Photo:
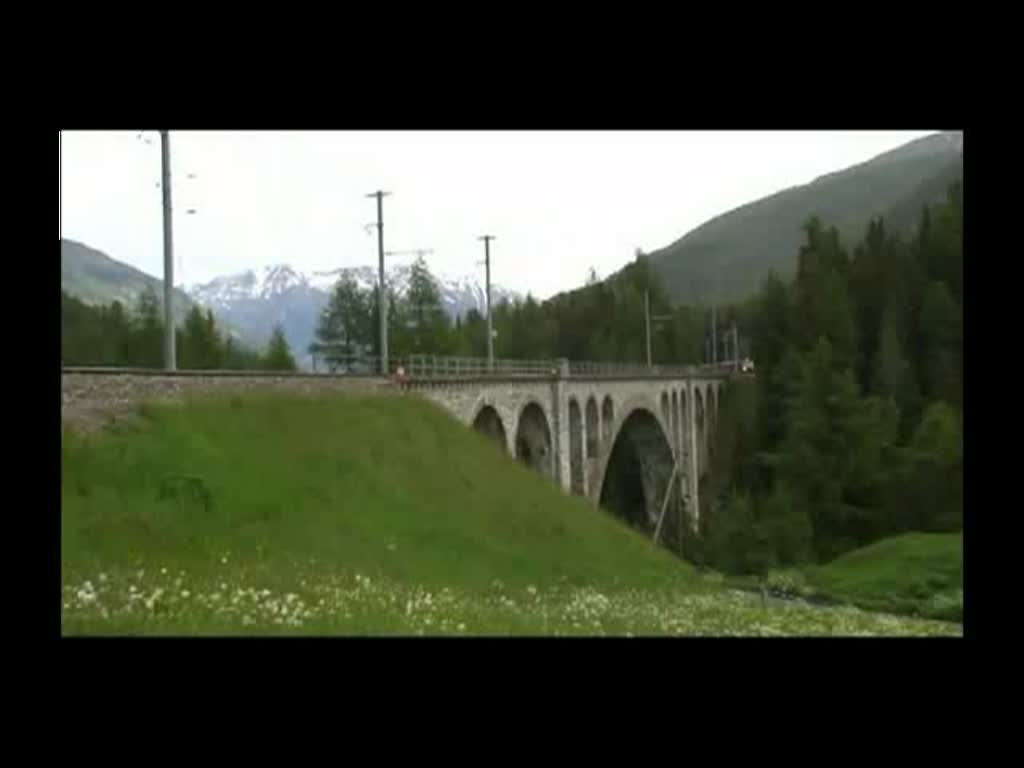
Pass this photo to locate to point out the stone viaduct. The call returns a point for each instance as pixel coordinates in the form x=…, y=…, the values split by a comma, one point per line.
x=612, y=437
x=623, y=437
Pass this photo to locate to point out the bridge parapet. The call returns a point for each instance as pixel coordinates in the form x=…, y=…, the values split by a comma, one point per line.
x=448, y=367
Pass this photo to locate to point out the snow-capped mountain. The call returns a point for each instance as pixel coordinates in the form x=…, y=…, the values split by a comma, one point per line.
x=257, y=300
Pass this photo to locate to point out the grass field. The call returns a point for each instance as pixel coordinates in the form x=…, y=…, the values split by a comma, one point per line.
x=917, y=573
x=365, y=515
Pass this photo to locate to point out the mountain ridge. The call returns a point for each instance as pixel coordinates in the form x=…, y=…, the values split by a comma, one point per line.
x=248, y=304
x=727, y=256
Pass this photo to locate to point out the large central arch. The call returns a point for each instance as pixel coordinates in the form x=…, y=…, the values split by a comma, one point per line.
x=533, y=440
x=637, y=472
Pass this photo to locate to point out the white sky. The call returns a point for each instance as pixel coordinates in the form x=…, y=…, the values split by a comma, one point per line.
x=559, y=202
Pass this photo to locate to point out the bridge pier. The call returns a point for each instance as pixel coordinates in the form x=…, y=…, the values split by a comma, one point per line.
x=560, y=431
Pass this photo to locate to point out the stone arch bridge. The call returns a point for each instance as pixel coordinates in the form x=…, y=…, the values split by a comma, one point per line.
x=634, y=439
x=628, y=437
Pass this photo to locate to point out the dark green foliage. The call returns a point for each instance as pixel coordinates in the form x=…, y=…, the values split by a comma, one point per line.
x=200, y=344
x=859, y=369
x=346, y=327
x=940, y=336
x=737, y=541
x=928, y=495
x=419, y=324
x=279, y=356
x=108, y=336
x=603, y=321
x=790, y=527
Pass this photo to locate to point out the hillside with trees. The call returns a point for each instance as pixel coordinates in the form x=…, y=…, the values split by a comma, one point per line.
x=854, y=431
x=727, y=257
x=110, y=335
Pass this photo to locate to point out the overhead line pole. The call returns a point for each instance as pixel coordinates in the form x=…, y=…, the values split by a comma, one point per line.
x=170, y=361
x=490, y=331
x=382, y=296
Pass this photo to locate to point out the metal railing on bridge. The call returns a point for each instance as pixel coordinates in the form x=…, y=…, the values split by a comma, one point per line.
x=422, y=366
x=433, y=366
x=426, y=367
x=641, y=370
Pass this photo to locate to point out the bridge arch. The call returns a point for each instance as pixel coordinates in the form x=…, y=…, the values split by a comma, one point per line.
x=676, y=444
x=593, y=438
x=637, y=467
x=607, y=417
x=488, y=422
x=698, y=416
x=576, y=447
x=712, y=421
x=533, y=439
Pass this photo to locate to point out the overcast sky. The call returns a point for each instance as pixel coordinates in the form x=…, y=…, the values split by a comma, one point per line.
x=557, y=202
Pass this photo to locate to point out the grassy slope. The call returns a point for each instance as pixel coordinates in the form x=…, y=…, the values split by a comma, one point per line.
x=914, y=573
x=376, y=514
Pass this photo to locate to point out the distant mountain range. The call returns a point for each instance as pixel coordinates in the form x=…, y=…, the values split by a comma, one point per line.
x=249, y=304
x=95, y=278
x=727, y=257
x=256, y=300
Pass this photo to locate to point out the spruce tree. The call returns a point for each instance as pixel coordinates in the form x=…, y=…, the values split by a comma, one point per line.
x=279, y=356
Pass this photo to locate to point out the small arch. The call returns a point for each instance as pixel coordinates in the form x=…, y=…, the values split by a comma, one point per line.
x=592, y=436
x=699, y=409
x=684, y=423
x=533, y=440
x=575, y=447
x=607, y=419
x=712, y=420
x=488, y=423
x=675, y=419
x=698, y=415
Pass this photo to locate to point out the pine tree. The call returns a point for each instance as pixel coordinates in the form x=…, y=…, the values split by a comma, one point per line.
x=832, y=446
x=345, y=327
x=770, y=327
x=279, y=355
x=201, y=345
x=940, y=334
x=893, y=376
x=423, y=324
x=145, y=346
